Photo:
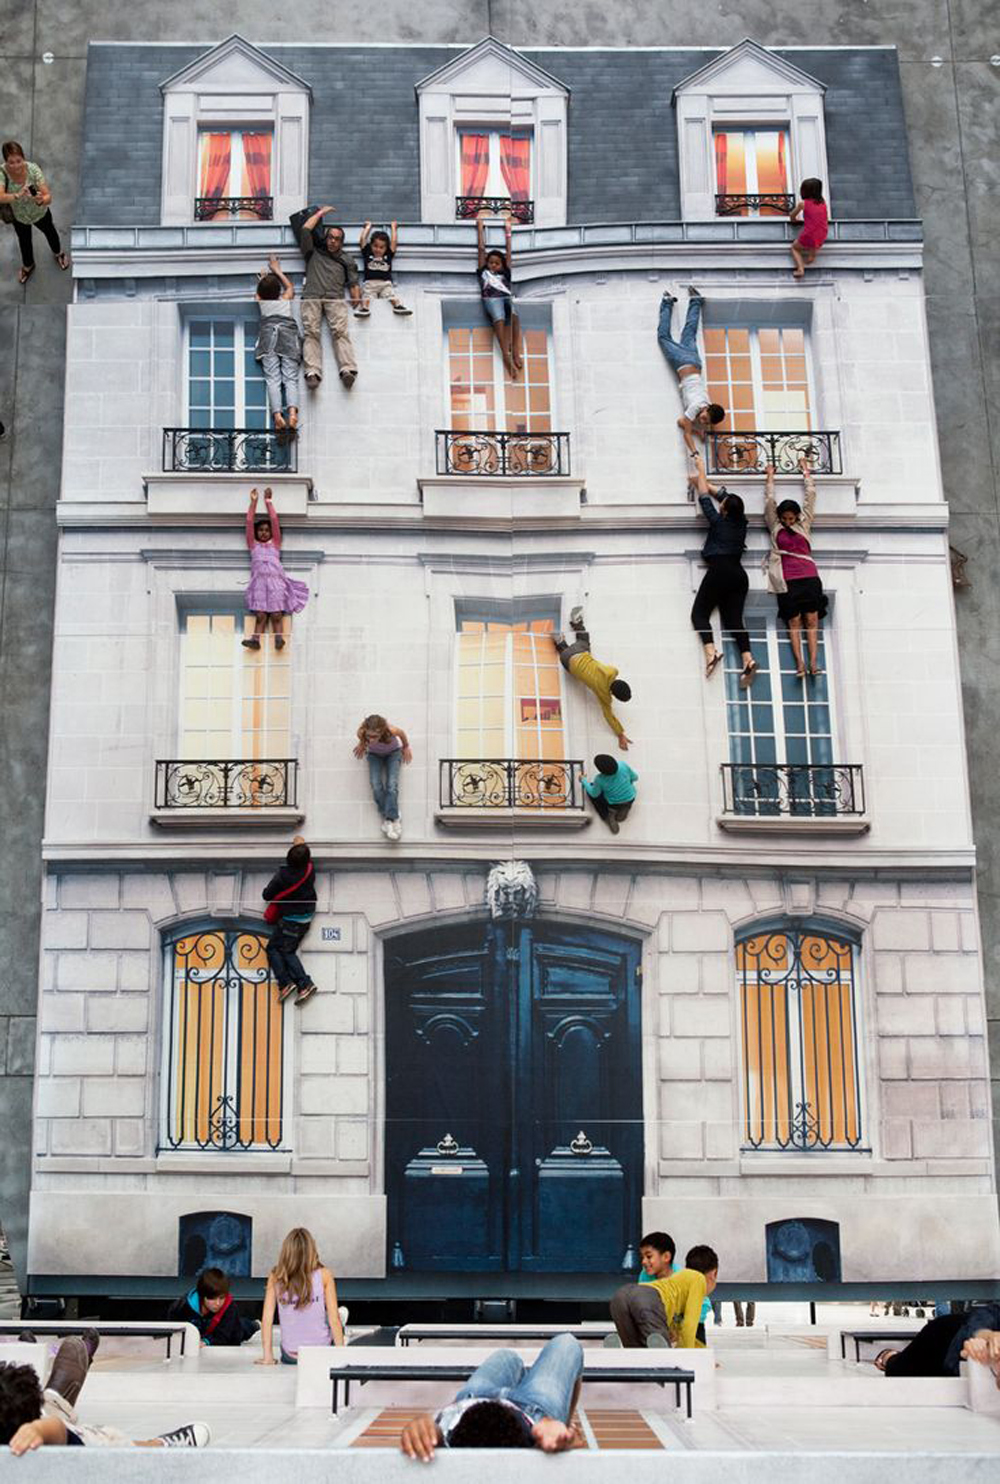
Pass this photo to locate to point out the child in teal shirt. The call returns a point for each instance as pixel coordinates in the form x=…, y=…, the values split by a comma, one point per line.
x=612, y=791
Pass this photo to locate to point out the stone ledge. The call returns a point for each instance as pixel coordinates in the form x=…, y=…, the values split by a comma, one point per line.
x=223, y=493
x=505, y=819
x=213, y=819
x=192, y=1162
x=488, y=500
x=853, y=824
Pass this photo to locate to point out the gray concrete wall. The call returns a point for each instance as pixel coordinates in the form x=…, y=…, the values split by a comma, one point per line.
x=950, y=96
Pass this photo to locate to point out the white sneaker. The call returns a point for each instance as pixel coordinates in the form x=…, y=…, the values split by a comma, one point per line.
x=194, y=1435
x=386, y=828
x=396, y=828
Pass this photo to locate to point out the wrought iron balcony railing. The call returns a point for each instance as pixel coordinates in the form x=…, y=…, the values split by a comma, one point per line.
x=749, y=452
x=511, y=783
x=207, y=208
x=526, y=455
x=795, y=790
x=257, y=783
x=227, y=451
x=765, y=203
x=521, y=211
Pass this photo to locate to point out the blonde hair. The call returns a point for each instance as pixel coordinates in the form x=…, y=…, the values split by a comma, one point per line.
x=297, y=1261
x=375, y=723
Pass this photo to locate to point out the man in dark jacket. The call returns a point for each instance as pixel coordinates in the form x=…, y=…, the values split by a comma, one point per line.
x=292, y=890
x=211, y=1308
x=329, y=270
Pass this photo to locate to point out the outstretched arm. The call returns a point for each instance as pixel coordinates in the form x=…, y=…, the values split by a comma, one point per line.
x=553, y=1436
x=251, y=515
x=809, y=498
x=690, y=432
x=32, y=1435
x=332, y=1313
x=393, y=236
x=287, y=287
x=267, y=1325
x=770, y=508
x=407, y=754
x=507, y=242
x=366, y=232
x=273, y=514
x=316, y=218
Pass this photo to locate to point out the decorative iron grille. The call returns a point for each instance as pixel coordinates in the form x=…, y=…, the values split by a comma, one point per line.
x=525, y=455
x=795, y=789
x=227, y=451
x=258, y=783
x=801, y=1076
x=225, y=1044
x=206, y=208
x=749, y=452
x=521, y=211
x=768, y=203
x=511, y=783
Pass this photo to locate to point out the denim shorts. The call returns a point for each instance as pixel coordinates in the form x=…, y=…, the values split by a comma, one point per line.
x=499, y=307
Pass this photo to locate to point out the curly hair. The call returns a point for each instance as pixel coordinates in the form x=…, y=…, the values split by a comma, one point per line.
x=490, y=1424
x=20, y=1398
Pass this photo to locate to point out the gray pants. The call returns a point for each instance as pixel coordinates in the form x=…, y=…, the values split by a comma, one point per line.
x=580, y=645
x=638, y=1312
x=281, y=373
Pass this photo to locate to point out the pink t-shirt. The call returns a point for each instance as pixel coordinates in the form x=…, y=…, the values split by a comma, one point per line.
x=307, y=1325
x=795, y=558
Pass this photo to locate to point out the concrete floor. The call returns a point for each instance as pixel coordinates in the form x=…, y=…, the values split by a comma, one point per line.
x=950, y=93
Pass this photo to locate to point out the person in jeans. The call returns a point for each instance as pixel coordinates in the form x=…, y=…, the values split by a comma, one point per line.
x=279, y=347
x=386, y=747
x=293, y=892
x=724, y=585
x=329, y=271
x=504, y=1405
x=612, y=791
x=26, y=192
x=603, y=680
x=700, y=413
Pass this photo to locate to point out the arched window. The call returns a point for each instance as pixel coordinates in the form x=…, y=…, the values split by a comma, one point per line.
x=225, y=1042
x=798, y=1016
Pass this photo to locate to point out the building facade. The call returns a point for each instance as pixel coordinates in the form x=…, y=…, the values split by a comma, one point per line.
x=756, y=1016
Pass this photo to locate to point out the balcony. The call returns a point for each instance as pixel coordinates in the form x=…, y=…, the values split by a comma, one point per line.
x=751, y=450
x=489, y=791
x=810, y=797
x=743, y=203
x=227, y=451
x=522, y=212
x=261, y=792
x=506, y=455
x=209, y=208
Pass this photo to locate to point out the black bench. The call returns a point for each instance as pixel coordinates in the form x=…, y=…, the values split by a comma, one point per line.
x=164, y=1331
x=513, y=1332
x=860, y=1336
x=363, y=1371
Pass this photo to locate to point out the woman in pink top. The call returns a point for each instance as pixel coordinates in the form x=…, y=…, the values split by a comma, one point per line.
x=304, y=1294
x=386, y=748
x=812, y=212
x=792, y=574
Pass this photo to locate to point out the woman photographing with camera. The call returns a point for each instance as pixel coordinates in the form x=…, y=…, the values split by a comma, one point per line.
x=24, y=202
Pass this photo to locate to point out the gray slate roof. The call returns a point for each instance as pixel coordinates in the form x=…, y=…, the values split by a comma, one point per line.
x=364, y=153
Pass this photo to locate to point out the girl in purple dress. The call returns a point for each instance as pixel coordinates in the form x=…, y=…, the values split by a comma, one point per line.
x=271, y=593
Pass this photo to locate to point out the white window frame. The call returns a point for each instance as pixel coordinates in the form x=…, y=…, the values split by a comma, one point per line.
x=759, y=126
x=510, y=725
x=495, y=183
x=266, y=655
x=241, y=320
x=265, y=126
x=754, y=618
x=757, y=376
x=469, y=316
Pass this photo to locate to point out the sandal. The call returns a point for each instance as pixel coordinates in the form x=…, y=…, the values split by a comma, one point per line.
x=23, y=274
x=749, y=674
x=882, y=1359
x=63, y=260
x=713, y=664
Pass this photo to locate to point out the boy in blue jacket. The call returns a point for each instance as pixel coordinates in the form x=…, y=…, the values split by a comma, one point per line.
x=211, y=1308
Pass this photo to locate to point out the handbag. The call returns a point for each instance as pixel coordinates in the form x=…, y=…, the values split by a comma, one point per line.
x=6, y=209
x=271, y=911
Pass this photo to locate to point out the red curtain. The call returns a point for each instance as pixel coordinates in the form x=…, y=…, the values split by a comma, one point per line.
x=215, y=158
x=257, y=164
x=720, y=164
x=515, y=163
x=475, y=163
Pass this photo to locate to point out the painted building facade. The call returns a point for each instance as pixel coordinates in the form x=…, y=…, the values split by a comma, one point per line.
x=755, y=1016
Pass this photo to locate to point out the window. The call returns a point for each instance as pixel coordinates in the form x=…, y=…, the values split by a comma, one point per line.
x=493, y=163
x=234, y=702
x=224, y=1074
x=225, y=385
x=483, y=398
x=798, y=1015
x=749, y=163
x=234, y=165
x=760, y=375
x=509, y=690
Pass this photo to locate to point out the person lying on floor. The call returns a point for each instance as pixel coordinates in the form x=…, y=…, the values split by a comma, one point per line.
x=667, y=1311
x=944, y=1342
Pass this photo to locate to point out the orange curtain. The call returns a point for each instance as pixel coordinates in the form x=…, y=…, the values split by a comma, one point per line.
x=720, y=164
x=782, y=171
x=515, y=163
x=475, y=163
x=257, y=164
x=215, y=165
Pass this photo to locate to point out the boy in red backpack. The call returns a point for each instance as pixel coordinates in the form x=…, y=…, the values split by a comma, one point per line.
x=291, y=895
x=211, y=1308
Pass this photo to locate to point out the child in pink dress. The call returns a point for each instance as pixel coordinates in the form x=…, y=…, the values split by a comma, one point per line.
x=811, y=211
x=270, y=592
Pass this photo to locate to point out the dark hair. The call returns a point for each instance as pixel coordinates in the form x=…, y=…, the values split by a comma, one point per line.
x=732, y=506
x=702, y=1260
x=811, y=189
x=792, y=505
x=334, y=228
x=299, y=855
x=11, y=147
x=269, y=287
x=381, y=236
x=605, y=764
x=213, y=1283
x=621, y=690
x=261, y=520
x=662, y=1241
x=490, y=1424
x=716, y=414
x=494, y=252
x=20, y=1393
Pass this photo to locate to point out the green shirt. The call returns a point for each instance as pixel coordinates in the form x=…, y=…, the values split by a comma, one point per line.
x=616, y=787
x=28, y=210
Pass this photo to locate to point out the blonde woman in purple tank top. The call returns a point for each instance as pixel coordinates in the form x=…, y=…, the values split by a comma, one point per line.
x=304, y=1294
x=385, y=747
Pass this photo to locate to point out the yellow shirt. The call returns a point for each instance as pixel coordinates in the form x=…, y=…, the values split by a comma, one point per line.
x=598, y=678
x=683, y=1294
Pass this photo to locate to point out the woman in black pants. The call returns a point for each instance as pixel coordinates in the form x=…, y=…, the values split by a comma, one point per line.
x=943, y=1342
x=724, y=585
x=26, y=192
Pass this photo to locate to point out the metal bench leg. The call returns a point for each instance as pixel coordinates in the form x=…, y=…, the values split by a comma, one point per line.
x=347, y=1391
x=336, y=1390
x=689, y=1401
x=169, y=1339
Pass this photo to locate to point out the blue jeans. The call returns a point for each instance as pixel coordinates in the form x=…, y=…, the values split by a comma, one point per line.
x=384, y=775
x=283, y=953
x=546, y=1390
x=683, y=352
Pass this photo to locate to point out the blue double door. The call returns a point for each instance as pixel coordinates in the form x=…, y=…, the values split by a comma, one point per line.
x=513, y=1099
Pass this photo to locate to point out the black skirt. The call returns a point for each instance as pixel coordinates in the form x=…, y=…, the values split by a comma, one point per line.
x=804, y=595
